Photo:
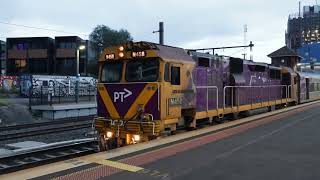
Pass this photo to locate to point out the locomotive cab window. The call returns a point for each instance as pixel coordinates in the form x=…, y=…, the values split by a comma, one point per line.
x=111, y=72
x=167, y=72
x=146, y=70
x=175, y=75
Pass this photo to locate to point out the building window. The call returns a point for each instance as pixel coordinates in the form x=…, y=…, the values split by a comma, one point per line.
x=20, y=63
x=21, y=46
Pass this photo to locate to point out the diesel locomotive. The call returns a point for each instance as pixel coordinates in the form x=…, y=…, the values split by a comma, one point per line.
x=146, y=90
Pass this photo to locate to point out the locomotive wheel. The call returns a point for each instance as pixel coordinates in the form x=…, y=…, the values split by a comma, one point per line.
x=219, y=120
x=235, y=116
x=111, y=144
x=151, y=138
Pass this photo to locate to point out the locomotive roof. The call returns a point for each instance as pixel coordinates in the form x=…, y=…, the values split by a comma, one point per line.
x=202, y=55
x=255, y=63
x=169, y=53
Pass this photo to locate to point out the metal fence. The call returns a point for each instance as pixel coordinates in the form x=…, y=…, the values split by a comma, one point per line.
x=57, y=94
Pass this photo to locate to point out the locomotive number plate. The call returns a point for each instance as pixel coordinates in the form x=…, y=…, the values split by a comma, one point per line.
x=177, y=101
x=117, y=123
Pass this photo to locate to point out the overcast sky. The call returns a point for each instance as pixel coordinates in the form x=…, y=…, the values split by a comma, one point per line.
x=188, y=23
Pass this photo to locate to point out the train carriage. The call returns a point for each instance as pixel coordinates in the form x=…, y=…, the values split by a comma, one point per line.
x=309, y=86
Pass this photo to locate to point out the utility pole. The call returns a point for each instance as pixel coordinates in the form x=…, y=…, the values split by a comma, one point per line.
x=161, y=33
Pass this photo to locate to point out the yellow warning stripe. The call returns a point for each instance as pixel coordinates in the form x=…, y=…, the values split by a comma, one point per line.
x=114, y=164
x=119, y=165
x=142, y=99
x=108, y=102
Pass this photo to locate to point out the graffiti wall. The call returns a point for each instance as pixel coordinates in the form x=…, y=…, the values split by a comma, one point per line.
x=9, y=84
x=57, y=85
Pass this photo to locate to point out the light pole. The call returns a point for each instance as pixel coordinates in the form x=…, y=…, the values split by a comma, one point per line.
x=81, y=47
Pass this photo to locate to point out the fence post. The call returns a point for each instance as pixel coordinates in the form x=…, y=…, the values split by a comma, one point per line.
x=238, y=99
x=59, y=93
x=232, y=97
x=41, y=95
x=50, y=96
x=251, y=95
x=30, y=100
x=89, y=92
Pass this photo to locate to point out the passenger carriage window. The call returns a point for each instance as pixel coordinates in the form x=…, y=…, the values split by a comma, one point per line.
x=175, y=75
x=167, y=72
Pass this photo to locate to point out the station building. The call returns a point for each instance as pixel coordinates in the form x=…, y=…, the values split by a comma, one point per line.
x=3, y=57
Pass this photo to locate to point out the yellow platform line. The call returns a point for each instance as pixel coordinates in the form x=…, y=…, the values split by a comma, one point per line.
x=114, y=164
x=119, y=165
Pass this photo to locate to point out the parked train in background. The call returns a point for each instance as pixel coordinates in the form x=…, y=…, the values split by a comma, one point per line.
x=146, y=90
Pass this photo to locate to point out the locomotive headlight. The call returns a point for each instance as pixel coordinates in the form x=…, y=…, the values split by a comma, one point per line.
x=121, y=54
x=109, y=134
x=121, y=48
x=136, y=138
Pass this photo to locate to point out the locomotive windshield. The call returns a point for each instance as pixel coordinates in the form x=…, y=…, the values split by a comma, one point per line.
x=142, y=70
x=111, y=72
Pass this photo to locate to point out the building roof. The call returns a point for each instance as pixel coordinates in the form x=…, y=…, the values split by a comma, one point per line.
x=283, y=52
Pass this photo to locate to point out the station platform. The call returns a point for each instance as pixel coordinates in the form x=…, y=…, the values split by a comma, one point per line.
x=67, y=110
x=277, y=145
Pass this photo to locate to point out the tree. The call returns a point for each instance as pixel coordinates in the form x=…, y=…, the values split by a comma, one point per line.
x=102, y=36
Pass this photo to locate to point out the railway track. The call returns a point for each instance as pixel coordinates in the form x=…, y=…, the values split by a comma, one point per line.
x=28, y=158
x=42, y=128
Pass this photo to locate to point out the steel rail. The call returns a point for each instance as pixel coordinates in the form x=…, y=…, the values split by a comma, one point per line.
x=47, y=123
x=43, y=131
x=44, y=155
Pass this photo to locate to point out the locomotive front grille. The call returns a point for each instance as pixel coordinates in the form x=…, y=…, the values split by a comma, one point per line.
x=122, y=127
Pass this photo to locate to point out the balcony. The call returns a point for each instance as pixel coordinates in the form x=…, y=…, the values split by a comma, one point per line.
x=32, y=54
x=65, y=53
x=38, y=53
x=17, y=54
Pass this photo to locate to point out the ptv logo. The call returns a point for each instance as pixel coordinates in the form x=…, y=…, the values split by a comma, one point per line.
x=121, y=95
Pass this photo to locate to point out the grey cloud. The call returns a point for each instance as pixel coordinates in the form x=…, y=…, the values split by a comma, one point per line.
x=185, y=20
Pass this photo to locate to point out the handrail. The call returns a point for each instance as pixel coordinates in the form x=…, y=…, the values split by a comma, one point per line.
x=207, y=92
x=252, y=87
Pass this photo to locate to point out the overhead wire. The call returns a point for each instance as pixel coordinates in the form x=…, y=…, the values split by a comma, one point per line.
x=41, y=28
